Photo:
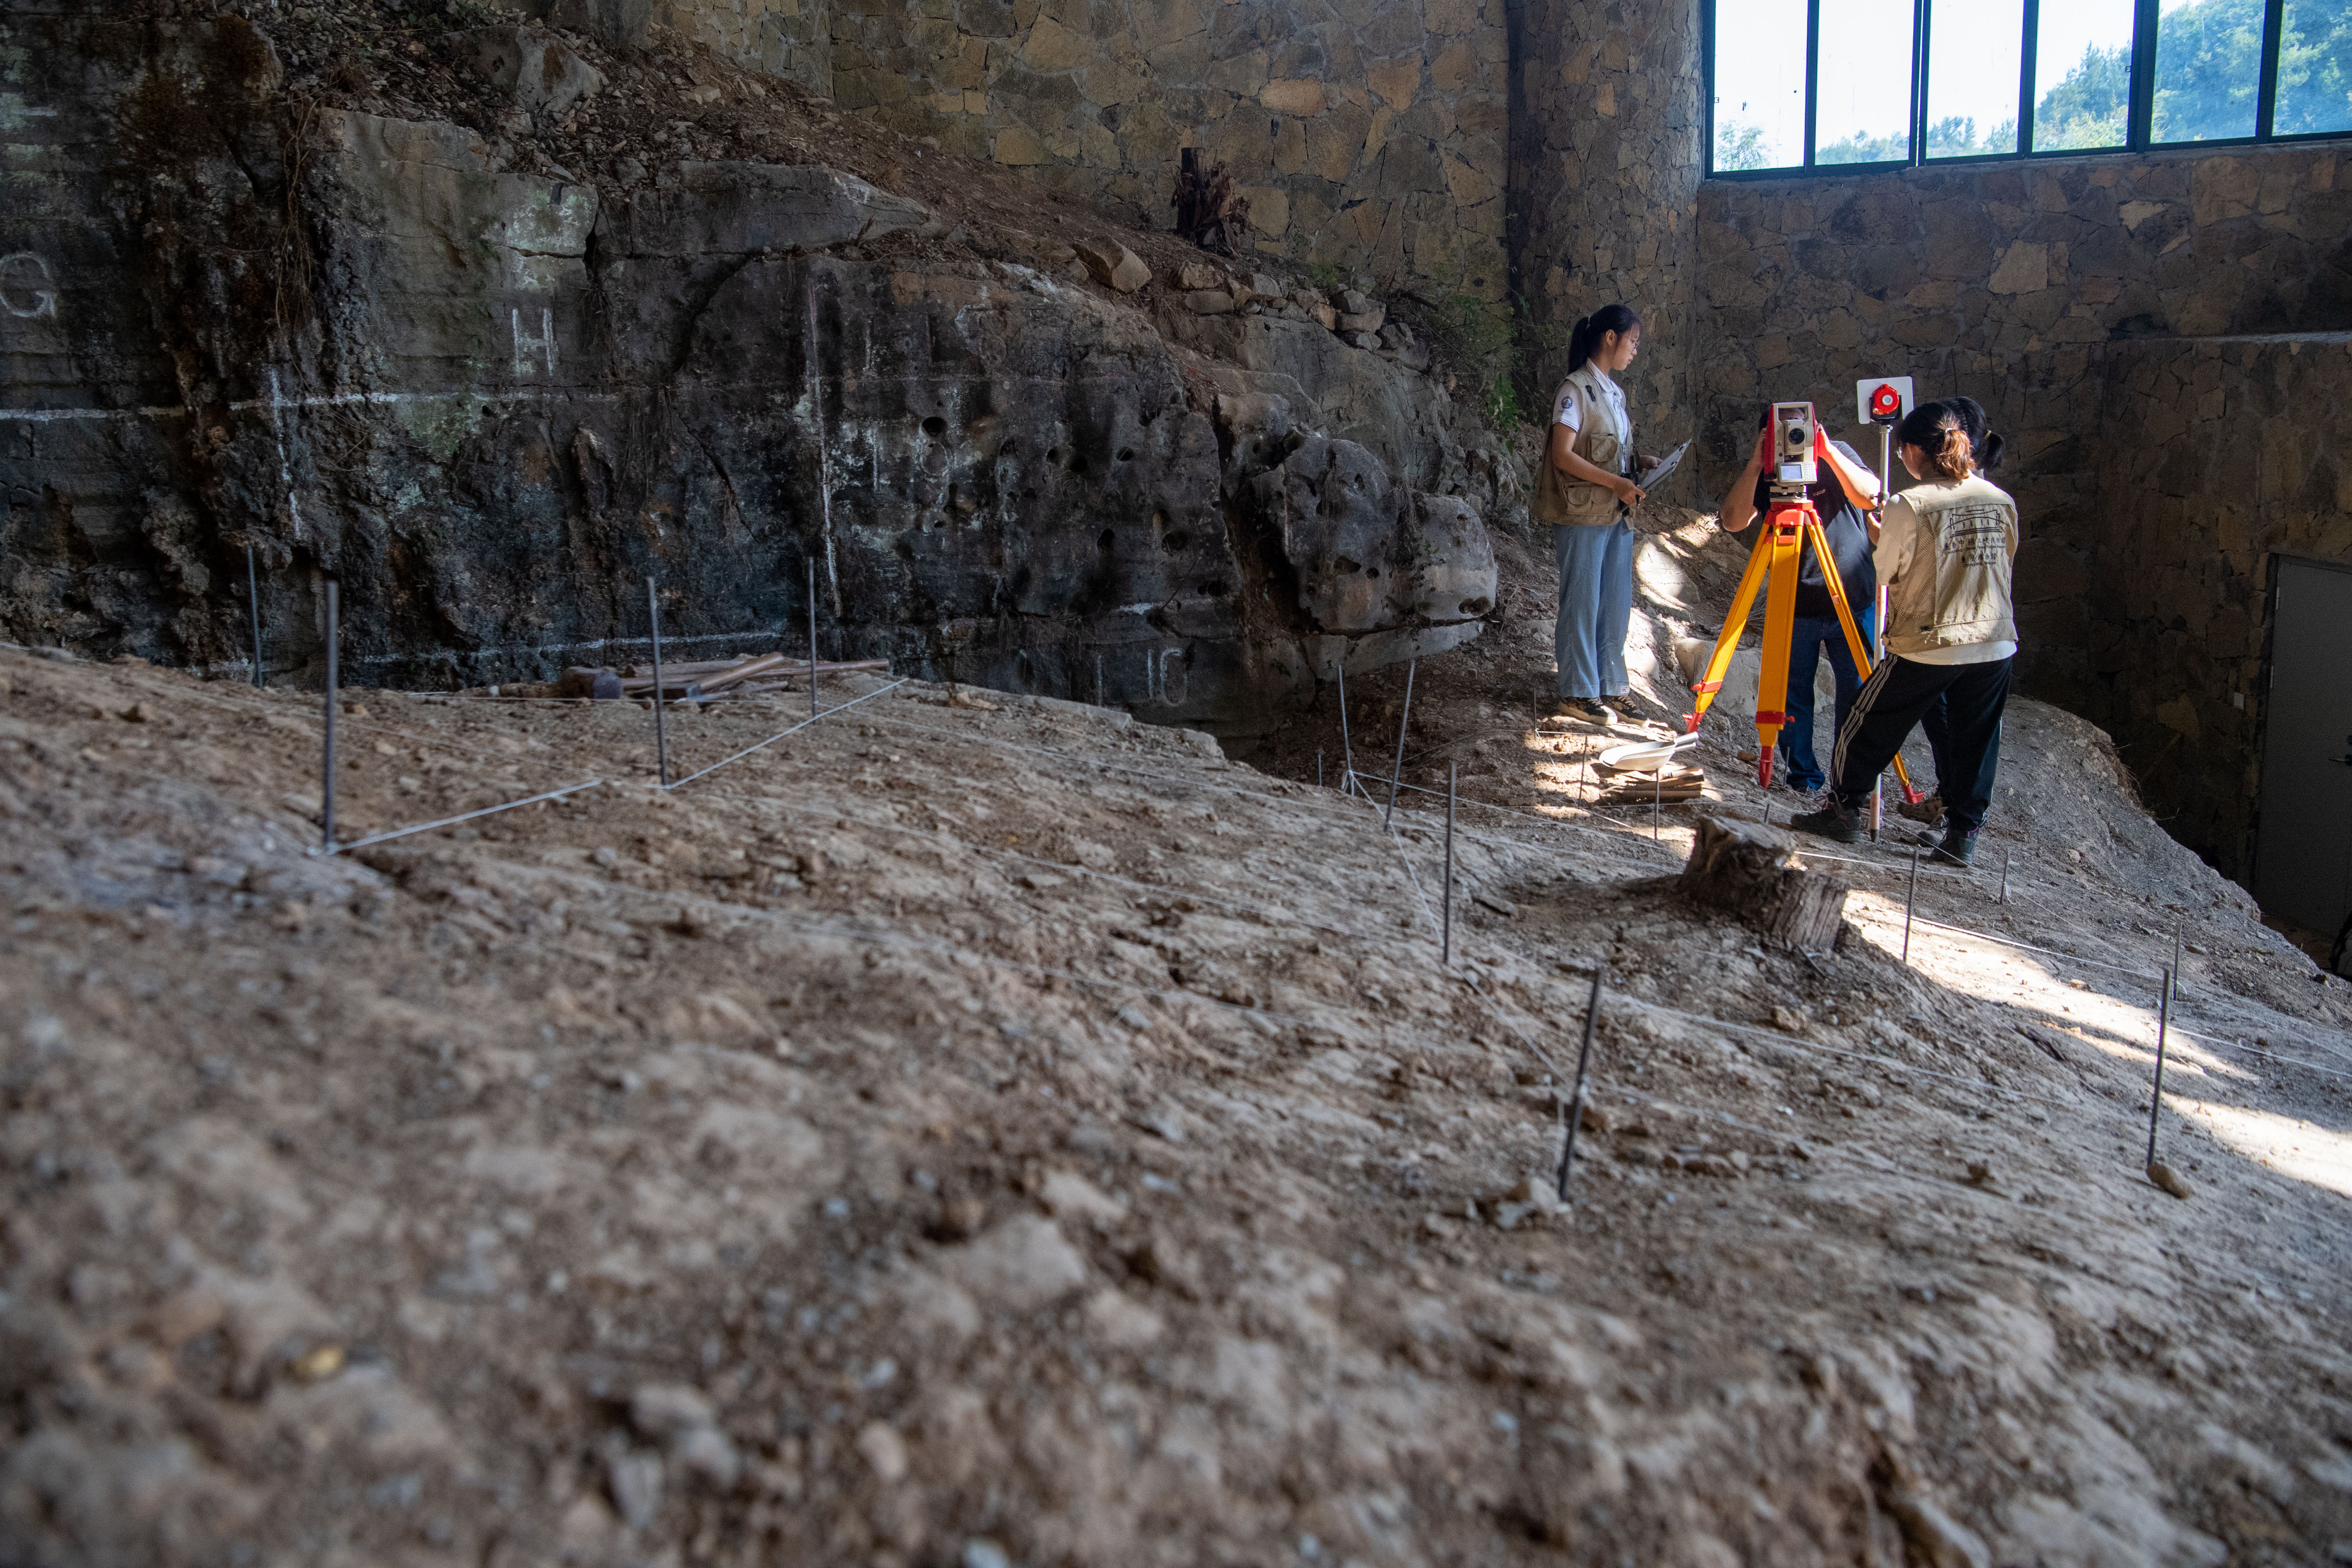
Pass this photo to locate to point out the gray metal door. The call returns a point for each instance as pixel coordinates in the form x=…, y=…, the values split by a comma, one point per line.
x=2302, y=852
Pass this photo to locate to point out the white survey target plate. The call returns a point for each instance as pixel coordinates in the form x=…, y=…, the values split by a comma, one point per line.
x=1881, y=397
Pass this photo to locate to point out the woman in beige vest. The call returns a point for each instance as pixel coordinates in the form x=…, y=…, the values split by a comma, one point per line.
x=1947, y=553
x=1584, y=491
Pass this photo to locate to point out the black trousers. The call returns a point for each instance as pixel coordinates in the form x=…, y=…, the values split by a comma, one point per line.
x=1897, y=695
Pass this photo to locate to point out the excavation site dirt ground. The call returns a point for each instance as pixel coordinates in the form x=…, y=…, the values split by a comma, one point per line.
x=974, y=1130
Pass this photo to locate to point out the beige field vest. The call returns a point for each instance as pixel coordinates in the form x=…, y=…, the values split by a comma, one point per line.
x=1562, y=499
x=1955, y=591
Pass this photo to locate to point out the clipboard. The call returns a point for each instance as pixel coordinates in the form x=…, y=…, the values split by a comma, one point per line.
x=1664, y=470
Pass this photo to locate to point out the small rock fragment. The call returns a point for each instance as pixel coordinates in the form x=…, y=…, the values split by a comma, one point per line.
x=1531, y=1198
x=1790, y=1020
x=635, y=1480
x=1068, y=1196
x=1113, y=264
x=886, y=1451
x=1208, y=302
x=2171, y=1181
x=706, y=1451
x=666, y=1409
x=318, y=1364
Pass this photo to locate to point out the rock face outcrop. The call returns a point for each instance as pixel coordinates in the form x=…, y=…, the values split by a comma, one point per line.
x=492, y=404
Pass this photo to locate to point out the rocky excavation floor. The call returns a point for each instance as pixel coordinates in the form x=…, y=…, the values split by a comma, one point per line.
x=968, y=1134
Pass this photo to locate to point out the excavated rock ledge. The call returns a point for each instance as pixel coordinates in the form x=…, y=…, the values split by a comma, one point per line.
x=492, y=402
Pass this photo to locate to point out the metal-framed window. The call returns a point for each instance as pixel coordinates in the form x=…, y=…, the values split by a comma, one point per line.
x=1857, y=86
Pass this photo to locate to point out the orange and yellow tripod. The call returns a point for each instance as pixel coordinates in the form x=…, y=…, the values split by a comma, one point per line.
x=1789, y=525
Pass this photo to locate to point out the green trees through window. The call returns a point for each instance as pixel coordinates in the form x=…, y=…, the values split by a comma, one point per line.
x=2314, y=70
x=2100, y=74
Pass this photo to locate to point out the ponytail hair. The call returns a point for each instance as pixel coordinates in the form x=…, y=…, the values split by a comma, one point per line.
x=1941, y=432
x=1988, y=443
x=1586, y=338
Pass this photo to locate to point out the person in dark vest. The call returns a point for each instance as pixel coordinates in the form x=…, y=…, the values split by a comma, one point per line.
x=1816, y=631
x=1584, y=491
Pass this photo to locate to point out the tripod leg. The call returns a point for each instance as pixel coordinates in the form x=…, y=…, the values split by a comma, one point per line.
x=1780, y=628
x=1735, y=621
x=1854, y=645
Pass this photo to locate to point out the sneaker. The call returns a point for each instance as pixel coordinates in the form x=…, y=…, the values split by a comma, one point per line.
x=1957, y=848
x=1832, y=822
x=1628, y=715
x=1581, y=713
x=1930, y=810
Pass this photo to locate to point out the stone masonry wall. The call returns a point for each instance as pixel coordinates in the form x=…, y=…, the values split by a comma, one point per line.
x=2162, y=340
x=1606, y=169
x=789, y=38
x=1369, y=136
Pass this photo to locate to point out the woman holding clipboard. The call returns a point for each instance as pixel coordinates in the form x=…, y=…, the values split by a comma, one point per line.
x=1585, y=489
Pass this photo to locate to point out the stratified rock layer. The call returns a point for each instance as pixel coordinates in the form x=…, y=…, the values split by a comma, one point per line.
x=492, y=405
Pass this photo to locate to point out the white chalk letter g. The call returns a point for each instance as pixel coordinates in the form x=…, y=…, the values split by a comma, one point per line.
x=27, y=276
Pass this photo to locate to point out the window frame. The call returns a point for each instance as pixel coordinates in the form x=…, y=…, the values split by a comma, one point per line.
x=2139, y=110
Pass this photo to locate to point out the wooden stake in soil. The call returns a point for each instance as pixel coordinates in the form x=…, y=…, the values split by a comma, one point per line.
x=1657, y=789
x=661, y=698
x=2156, y=1096
x=1908, y=898
x=1396, y=775
x=1575, y=1101
x=327, y=792
x=1445, y=939
x=2004, y=878
x=253, y=599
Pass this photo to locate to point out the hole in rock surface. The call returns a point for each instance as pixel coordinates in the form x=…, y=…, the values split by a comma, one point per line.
x=935, y=426
x=1177, y=541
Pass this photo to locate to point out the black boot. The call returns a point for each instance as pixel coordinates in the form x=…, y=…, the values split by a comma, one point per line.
x=1958, y=848
x=1833, y=821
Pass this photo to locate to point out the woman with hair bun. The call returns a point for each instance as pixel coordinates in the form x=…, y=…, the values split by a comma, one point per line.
x=1947, y=552
x=1584, y=491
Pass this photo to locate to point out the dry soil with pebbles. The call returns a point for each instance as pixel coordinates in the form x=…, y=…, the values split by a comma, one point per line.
x=979, y=1130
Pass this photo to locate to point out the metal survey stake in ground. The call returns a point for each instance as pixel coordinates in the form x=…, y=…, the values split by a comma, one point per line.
x=811, y=566
x=2156, y=1095
x=2004, y=878
x=327, y=792
x=1347, y=750
x=1576, y=1100
x=1910, y=897
x=253, y=599
x=1445, y=936
x=1658, y=800
x=661, y=725
x=1396, y=773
